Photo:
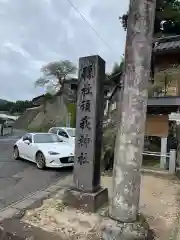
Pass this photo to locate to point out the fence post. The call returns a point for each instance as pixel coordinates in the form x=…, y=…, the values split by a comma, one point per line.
x=172, y=162
x=1, y=129
x=163, y=153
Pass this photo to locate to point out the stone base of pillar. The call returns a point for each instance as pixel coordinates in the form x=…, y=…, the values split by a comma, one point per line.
x=88, y=202
x=114, y=230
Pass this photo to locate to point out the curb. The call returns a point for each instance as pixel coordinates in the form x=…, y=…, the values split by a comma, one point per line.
x=34, y=200
x=157, y=173
x=151, y=172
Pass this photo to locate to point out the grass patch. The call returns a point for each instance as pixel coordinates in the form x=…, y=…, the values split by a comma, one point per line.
x=151, y=162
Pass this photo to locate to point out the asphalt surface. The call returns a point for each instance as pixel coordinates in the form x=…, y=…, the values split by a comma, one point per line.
x=20, y=178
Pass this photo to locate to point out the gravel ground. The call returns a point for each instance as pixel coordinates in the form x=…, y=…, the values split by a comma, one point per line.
x=159, y=202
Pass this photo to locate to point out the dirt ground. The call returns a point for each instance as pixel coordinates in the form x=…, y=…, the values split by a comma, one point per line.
x=159, y=202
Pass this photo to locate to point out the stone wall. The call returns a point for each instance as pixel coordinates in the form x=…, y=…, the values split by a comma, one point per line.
x=53, y=112
x=25, y=119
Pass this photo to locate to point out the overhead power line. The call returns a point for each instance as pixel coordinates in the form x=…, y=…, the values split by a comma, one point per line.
x=95, y=31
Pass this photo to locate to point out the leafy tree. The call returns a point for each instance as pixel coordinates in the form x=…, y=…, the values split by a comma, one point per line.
x=15, y=107
x=118, y=68
x=54, y=74
x=20, y=106
x=167, y=18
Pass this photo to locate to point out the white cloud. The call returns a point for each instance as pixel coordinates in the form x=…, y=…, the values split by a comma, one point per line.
x=36, y=32
x=15, y=48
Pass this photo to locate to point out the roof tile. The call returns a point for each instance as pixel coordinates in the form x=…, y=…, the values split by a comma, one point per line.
x=167, y=43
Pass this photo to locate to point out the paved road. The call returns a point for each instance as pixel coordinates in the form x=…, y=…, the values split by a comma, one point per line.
x=20, y=178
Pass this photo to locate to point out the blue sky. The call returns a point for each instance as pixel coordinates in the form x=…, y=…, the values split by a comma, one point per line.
x=35, y=32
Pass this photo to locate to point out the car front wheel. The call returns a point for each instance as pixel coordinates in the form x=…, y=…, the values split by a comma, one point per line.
x=40, y=160
x=16, y=153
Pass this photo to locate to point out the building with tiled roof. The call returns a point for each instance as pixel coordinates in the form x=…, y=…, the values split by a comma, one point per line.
x=164, y=45
x=166, y=69
x=166, y=64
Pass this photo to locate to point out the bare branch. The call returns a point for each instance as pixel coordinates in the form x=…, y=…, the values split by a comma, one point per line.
x=55, y=73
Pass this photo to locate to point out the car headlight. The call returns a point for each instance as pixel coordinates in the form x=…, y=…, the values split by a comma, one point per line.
x=53, y=153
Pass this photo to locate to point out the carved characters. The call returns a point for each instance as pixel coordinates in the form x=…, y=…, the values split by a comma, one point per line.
x=85, y=108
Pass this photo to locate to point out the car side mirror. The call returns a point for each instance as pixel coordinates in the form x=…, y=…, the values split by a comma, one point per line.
x=61, y=140
x=27, y=142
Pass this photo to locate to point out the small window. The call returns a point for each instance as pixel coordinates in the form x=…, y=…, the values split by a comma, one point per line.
x=27, y=137
x=30, y=138
x=62, y=133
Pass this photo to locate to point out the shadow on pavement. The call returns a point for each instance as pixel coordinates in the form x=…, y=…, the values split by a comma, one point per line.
x=14, y=229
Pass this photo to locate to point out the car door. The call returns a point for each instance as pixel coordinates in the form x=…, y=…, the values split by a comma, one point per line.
x=23, y=146
x=30, y=148
x=26, y=149
x=63, y=135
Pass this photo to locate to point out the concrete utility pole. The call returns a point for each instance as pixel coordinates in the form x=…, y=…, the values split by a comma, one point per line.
x=124, y=205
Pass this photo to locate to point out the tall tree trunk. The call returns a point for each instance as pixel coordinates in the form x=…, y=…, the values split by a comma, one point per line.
x=130, y=137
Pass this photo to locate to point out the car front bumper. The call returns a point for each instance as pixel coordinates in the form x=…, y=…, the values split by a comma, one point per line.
x=59, y=162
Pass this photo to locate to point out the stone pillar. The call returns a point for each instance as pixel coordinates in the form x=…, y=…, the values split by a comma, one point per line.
x=163, y=153
x=172, y=162
x=130, y=137
x=87, y=192
x=125, y=222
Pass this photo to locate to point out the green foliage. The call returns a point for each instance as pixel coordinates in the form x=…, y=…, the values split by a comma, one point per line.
x=167, y=12
x=2, y=101
x=48, y=96
x=54, y=74
x=72, y=109
x=118, y=68
x=15, y=107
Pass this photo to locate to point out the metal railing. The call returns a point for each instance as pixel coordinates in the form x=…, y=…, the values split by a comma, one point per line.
x=156, y=154
x=169, y=158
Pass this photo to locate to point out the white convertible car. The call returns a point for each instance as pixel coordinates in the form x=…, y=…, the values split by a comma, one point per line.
x=44, y=149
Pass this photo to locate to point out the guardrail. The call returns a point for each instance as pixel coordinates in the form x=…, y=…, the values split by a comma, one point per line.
x=170, y=157
x=4, y=131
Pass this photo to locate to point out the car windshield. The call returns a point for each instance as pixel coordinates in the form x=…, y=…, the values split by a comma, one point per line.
x=71, y=132
x=46, y=138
